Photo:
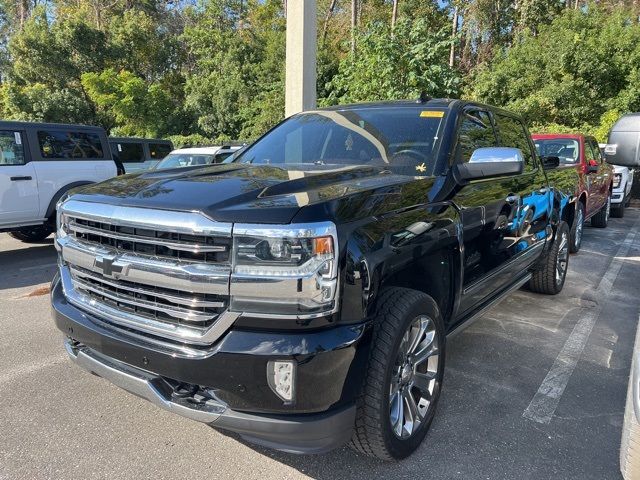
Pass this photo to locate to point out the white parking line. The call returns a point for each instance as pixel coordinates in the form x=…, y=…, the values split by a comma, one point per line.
x=546, y=400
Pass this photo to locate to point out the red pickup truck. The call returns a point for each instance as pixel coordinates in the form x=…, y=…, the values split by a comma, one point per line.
x=593, y=180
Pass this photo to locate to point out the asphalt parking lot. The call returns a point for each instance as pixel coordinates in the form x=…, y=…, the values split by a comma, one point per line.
x=534, y=389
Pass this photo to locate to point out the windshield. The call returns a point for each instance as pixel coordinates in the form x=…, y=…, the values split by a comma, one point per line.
x=403, y=139
x=567, y=149
x=177, y=160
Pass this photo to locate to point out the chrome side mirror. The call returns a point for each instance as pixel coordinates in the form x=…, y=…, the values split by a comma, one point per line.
x=490, y=162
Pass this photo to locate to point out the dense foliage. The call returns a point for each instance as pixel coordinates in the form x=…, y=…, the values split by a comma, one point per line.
x=204, y=70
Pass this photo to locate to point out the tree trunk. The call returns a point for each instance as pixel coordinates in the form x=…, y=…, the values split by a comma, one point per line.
x=354, y=24
x=394, y=14
x=325, y=27
x=454, y=33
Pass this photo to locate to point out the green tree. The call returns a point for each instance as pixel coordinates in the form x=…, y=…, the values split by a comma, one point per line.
x=400, y=64
x=137, y=108
x=583, y=64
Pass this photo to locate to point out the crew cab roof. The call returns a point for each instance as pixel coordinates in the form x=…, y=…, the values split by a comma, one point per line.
x=446, y=103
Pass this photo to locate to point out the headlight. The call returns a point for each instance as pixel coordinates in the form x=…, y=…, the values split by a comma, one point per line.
x=62, y=223
x=284, y=270
x=617, y=178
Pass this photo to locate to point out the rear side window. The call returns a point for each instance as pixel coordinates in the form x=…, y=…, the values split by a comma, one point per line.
x=512, y=133
x=11, y=148
x=475, y=132
x=128, y=152
x=69, y=145
x=158, y=151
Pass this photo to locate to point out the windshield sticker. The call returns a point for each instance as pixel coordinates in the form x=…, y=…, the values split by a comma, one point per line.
x=18, y=138
x=119, y=148
x=348, y=143
x=421, y=168
x=432, y=114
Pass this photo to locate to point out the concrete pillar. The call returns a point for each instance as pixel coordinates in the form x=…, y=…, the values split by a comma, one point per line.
x=300, y=81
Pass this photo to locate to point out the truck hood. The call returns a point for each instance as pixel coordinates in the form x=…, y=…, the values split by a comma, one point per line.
x=240, y=192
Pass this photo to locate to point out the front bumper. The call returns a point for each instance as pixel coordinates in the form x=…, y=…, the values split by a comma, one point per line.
x=329, y=372
x=617, y=196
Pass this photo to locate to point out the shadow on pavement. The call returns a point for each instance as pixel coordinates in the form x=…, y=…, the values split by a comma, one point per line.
x=24, y=267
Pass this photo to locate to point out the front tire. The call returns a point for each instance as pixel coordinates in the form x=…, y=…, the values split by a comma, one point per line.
x=601, y=219
x=403, y=378
x=37, y=233
x=549, y=278
x=577, y=229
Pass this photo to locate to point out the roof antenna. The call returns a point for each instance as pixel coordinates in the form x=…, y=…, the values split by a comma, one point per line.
x=424, y=97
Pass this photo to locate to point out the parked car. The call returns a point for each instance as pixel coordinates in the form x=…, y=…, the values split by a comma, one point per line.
x=622, y=148
x=622, y=184
x=197, y=156
x=593, y=183
x=39, y=162
x=303, y=294
x=138, y=154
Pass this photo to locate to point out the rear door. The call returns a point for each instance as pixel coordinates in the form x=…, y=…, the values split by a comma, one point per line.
x=19, y=200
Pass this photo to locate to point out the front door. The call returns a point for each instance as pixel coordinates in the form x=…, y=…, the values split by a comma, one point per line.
x=504, y=219
x=19, y=203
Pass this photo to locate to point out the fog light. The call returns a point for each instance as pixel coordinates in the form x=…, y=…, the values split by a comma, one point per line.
x=281, y=377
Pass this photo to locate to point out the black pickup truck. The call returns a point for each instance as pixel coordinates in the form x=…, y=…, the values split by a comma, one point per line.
x=302, y=295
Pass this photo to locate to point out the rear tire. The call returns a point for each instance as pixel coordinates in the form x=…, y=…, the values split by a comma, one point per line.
x=404, y=375
x=37, y=233
x=601, y=219
x=549, y=278
x=577, y=229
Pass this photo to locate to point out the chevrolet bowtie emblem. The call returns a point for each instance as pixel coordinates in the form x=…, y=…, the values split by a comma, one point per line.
x=110, y=266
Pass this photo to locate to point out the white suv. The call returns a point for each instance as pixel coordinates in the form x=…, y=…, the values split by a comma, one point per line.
x=39, y=163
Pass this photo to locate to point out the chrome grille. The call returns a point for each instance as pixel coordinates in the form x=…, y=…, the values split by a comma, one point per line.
x=162, y=274
x=156, y=243
x=158, y=303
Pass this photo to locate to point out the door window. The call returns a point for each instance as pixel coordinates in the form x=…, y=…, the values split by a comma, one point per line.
x=11, y=148
x=158, y=151
x=69, y=145
x=512, y=133
x=128, y=152
x=475, y=132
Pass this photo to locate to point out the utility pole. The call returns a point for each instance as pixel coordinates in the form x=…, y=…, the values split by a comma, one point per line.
x=300, y=83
